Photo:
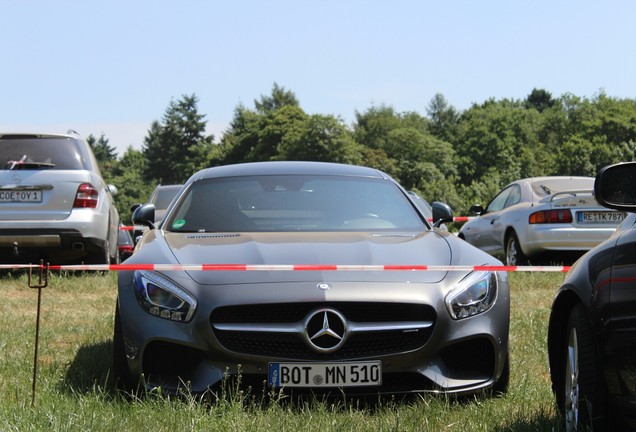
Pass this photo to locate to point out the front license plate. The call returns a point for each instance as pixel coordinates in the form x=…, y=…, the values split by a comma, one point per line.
x=353, y=374
x=600, y=217
x=20, y=196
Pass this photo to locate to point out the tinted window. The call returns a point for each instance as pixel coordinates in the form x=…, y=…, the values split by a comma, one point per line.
x=294, y=203
x=49, y=153
x=164, y=196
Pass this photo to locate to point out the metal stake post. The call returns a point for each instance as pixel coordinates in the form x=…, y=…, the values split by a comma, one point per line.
x=43, y=281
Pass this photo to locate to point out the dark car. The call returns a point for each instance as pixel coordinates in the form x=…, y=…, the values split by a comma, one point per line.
x=125, y=244
x=592, y=330
x=161, y=197
x=323, y=297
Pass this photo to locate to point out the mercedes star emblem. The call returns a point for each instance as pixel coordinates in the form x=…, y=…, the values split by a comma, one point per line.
x=325, y=330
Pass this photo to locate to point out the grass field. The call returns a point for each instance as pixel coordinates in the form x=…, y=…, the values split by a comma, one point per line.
x=74, y=391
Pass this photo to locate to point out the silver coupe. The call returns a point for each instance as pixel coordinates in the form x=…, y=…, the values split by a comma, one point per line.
x=308, y=277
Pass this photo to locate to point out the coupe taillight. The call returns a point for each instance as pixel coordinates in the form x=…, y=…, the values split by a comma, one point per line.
x=550, y=216
x=86, y=197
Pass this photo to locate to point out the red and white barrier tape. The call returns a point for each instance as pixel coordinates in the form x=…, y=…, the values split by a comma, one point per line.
x=292, y=267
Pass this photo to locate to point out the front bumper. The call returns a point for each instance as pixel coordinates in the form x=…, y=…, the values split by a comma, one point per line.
x=461, y=357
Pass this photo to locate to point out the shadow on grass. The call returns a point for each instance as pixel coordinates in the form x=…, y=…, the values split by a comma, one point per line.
x=539, y=422
x=89, y=372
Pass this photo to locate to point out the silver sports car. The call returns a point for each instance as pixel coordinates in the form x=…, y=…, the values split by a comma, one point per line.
x=310, y=277
x=541, y=217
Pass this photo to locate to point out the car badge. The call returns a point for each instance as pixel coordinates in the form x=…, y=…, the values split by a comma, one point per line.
x=16, y=179
x=323, y=286
x=326, y=330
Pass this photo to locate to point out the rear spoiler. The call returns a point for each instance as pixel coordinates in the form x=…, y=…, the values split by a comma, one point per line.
x=572, y=193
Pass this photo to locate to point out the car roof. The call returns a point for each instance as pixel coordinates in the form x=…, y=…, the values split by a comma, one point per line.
x=22, y=135
x=555, y=178
x=288, y=168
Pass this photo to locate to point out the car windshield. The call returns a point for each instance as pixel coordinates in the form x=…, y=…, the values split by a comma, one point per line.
x=293, y=203
x=40, y=153
x=550, y=186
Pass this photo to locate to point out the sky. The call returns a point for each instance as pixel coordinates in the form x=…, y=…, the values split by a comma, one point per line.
x=113, y=67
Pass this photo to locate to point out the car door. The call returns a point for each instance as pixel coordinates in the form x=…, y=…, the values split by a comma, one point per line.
x=481, y=229
x=498, y=215
x=623, y=289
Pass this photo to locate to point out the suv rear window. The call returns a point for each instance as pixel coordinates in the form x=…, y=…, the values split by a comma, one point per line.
x=40, y=153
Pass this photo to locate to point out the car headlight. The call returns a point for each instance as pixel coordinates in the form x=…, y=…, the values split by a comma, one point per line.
x=161, y=297
x=473, y=295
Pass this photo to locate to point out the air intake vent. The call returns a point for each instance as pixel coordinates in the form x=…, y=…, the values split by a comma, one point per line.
x=218, y=235
x=395, y=235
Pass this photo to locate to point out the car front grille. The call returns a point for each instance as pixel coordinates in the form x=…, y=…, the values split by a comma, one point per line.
x=391, y=333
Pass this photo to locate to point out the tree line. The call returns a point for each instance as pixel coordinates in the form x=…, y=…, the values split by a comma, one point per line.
x=459, y=157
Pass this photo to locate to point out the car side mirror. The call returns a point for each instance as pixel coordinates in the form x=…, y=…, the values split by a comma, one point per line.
x=476, y=209
x=442, y=213
x=112, y=189
x=144, y=215
x=615, y=186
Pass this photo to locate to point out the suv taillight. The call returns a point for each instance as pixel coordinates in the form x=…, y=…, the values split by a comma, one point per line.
x=551, y=216
x=86, y=197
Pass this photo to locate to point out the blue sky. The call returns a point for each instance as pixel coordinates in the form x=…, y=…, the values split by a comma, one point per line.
x=113, y=67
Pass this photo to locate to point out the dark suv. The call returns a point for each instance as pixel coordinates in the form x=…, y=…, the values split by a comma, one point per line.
x=54, y=203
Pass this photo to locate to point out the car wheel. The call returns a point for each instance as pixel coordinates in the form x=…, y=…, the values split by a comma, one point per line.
x=120, y=371
x=514, y=254
x=102, y=256
x=115, y=259
x=583, y=392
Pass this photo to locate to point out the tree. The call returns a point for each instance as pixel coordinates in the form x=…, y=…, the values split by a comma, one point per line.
x=177, y=147
x=102, y=150
x=257, y=134
x=540, y=100
x=132, y=188
x=372, y=127
x=278, y=99
x=105, y=154
x=320, y=138
x=443, y=117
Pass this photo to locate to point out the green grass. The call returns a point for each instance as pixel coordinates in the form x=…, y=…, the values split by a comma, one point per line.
x=74, y=391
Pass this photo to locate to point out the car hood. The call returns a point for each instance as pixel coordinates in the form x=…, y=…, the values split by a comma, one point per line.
x=350, y=248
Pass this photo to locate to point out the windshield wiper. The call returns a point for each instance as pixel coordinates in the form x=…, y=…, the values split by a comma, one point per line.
x=29, y=165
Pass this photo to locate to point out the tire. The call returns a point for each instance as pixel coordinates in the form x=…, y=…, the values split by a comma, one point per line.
x=582, y=392
x=100, y=257
x=514, y=254
x=121, y=374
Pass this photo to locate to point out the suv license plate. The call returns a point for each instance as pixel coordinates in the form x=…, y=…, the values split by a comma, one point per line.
x=20, y=196
x=339, y=374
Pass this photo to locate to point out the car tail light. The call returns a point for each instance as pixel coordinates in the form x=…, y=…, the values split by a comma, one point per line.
x=126, y=248
x=86, y=196
x=551, y=216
